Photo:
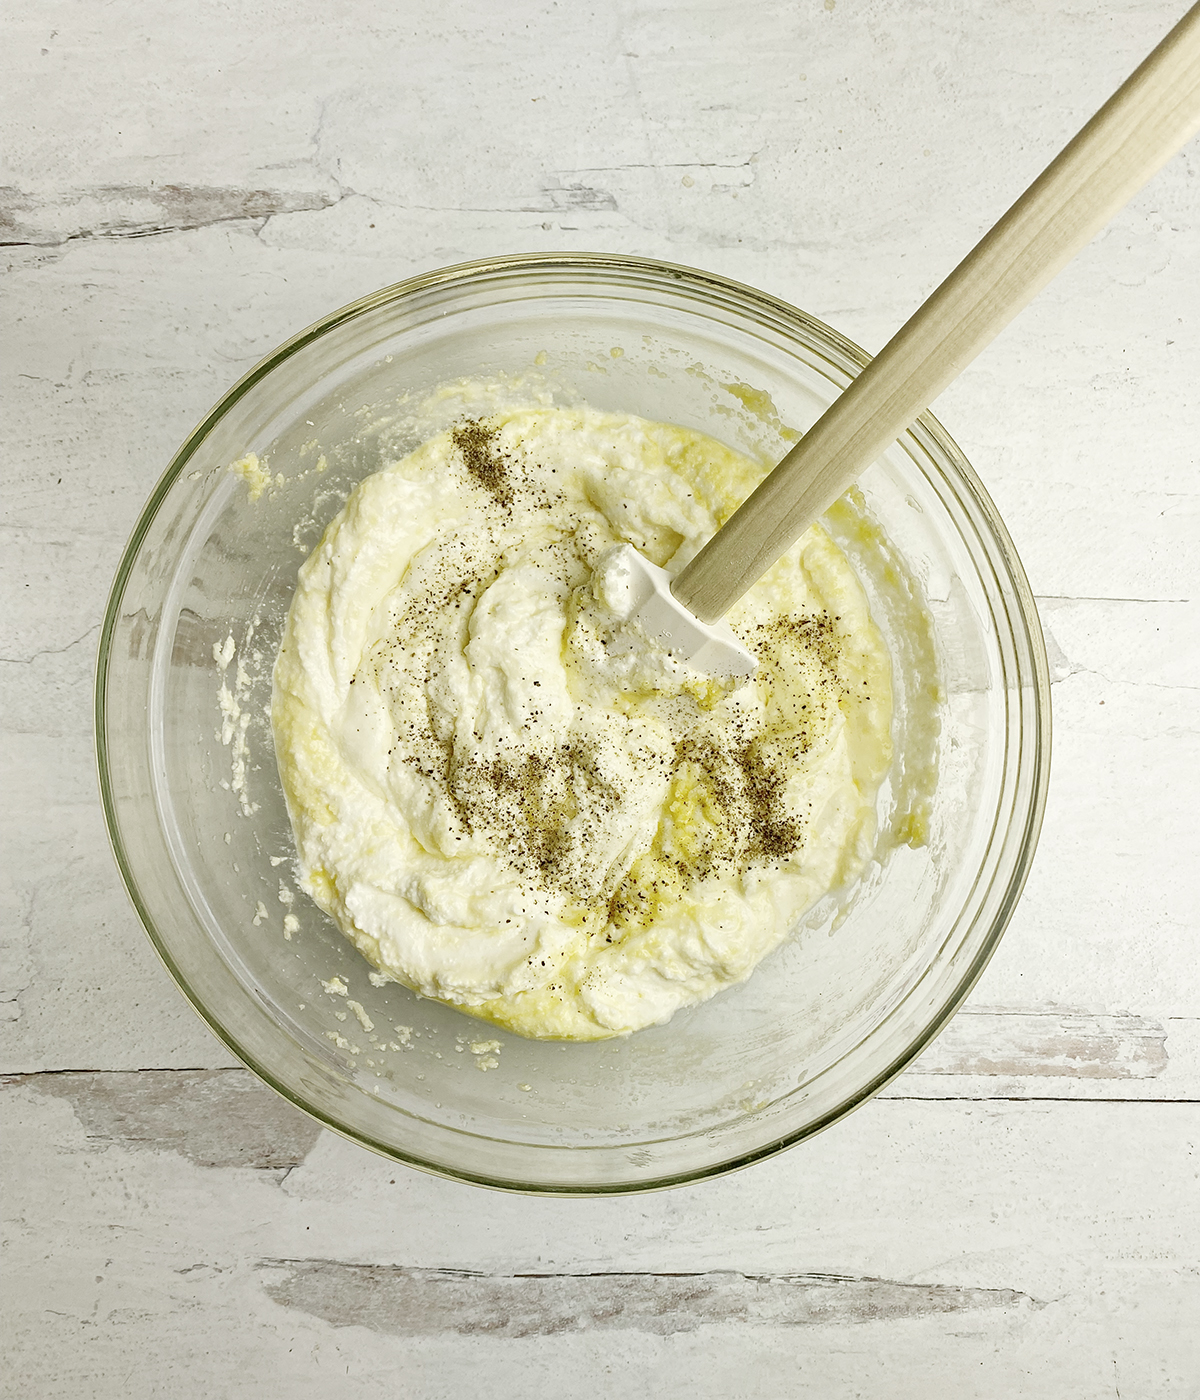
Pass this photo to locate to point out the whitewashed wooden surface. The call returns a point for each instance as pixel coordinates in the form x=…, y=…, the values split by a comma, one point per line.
x=185, y=184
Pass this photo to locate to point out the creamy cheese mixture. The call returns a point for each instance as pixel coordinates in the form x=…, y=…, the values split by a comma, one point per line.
x=507, y=806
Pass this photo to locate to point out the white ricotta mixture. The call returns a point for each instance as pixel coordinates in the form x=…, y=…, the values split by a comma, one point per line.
x=508, y=808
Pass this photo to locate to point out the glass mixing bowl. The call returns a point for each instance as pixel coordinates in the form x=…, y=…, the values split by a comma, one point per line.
x=201, y=834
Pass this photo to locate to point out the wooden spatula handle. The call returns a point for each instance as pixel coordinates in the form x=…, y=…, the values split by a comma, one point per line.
x=1139, y=128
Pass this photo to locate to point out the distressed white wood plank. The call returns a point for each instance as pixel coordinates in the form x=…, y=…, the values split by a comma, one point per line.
x=191, y=187
x=1057, y=1053
x=918, y=1246
x=1054, y=1044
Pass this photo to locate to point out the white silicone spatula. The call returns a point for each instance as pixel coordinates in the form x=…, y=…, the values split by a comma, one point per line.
x=1137, y=130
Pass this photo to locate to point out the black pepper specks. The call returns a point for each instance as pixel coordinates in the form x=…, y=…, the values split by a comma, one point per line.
x=477, y=443
x=552, y=804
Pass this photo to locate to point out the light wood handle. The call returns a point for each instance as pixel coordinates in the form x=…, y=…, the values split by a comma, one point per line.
x=1136, y=131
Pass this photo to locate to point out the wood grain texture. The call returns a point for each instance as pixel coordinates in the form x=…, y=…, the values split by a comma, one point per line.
x=995, y=1249
x=1046, y=1148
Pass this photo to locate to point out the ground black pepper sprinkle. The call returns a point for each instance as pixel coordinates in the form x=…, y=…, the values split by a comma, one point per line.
x=546, y=808
x=542, y=807
x=476, y=441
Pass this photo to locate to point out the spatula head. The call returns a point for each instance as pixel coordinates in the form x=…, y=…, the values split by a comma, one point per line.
x=639, y=592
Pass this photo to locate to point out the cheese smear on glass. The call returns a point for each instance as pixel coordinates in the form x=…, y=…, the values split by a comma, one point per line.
x=508, y=803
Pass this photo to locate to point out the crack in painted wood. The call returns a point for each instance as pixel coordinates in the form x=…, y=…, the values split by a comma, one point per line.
x=137, y=211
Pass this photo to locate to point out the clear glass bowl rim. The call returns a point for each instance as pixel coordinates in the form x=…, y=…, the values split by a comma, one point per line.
x=611, y=271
